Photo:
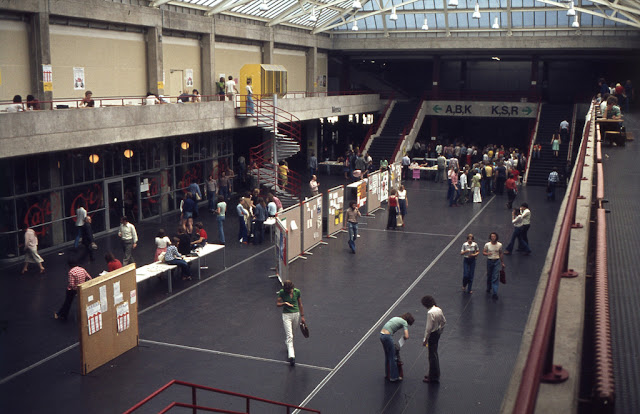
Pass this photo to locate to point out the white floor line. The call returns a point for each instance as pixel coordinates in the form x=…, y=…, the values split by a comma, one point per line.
x=211, y=351
x=42, y=361
x=384, y=317
x=411, y=232
x=37, y=364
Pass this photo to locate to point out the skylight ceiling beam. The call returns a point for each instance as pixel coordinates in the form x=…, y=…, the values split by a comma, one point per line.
x=616, y=6
x=355, y=17
x=594, y=13
x=285, y=15
x=158, y=3
x=384, y=21
x=228, y=5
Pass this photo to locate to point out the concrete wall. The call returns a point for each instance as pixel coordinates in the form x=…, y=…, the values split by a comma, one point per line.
x=230, y=57
x=14, y=60
x=35, y=132
x=179, y=55
x=322, y=71
x=114, y=62
x=295, y=62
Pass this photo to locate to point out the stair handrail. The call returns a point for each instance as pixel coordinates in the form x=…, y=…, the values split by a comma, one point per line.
x=409, y=126
x=573, y=126
x=294, y=179
x=375, y=126
x=532, y=140
x=195, y=406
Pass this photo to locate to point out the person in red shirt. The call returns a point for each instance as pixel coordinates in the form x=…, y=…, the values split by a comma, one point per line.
x=512, y=190
x=112, y=262
x=77, y=276
x=393, y=209
x=201, y=235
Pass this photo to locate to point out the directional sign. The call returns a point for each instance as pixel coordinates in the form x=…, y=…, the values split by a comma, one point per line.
x=482, y=109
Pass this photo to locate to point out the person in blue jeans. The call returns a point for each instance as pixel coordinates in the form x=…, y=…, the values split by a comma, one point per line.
x=174, y=258
x=470, y=251
x=386, y=338
x=221, y=210
x=518, y=233
x=243, y=212
x=495, y=262
x=352, y=223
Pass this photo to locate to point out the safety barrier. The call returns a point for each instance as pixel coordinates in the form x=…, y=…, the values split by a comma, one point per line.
x=194, y=401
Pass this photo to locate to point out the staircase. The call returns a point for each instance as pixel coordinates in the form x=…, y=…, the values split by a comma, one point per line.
x=264, y=159
x=383, y=146
x=550, y=117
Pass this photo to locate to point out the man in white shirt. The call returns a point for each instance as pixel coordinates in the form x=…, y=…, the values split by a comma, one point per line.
x=517, y=221
x=406, y=161
x=231, y=90
x=435, y=325
x=564, y=130
x=129, y=237
x=495, y=262
x=81, y=215
x=526, y=223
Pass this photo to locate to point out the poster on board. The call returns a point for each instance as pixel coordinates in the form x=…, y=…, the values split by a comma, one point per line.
x=384, y=186
x=188, y=78
x=281, y=249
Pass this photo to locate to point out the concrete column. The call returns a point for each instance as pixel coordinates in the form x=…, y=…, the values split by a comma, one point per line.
x=533, y=88
x=267, y=49
x=39, y=54
x=155, y=67
x=207, y=46
x=312, y=69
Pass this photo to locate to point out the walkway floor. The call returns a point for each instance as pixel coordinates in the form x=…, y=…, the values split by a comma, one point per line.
x=226, y=331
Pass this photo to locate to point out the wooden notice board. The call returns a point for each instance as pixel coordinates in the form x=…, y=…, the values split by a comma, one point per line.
x=108, y=317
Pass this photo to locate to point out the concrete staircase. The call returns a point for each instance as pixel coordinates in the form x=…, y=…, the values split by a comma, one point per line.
x=383, y=146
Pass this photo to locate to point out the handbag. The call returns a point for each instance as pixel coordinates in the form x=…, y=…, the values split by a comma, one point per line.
x=503, y=276
x=304, y=329
x=399, y=219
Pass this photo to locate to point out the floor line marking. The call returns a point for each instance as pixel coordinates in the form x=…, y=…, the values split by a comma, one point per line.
x=229, y=354
x=384, y=317
x=411, y=232
x=37, y=364
x=62, y=351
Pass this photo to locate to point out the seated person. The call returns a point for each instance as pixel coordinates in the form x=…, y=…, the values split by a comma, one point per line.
x=33, y=103
x=151, y=99
x=16, y=106
x=87, y=102
x=183, y=97
x=612, y=110
x=172, y=256
x=185, y=241
x=201, y=235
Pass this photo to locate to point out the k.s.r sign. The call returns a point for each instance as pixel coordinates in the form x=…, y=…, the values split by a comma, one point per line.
x=482, y=109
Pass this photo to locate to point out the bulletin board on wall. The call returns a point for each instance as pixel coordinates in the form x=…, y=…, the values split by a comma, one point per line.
x=290, y=217
x=311, y=222
x=334, y=210
x=108, y=317
x=373, y=192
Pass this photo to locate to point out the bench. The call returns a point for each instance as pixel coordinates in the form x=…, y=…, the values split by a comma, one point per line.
x=159, y=268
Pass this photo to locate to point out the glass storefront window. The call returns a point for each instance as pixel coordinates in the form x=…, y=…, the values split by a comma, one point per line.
x=6, y=184
x=92, y=196
x=36, y=212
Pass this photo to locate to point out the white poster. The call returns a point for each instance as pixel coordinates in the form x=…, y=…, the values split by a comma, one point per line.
x=188, y=78
x=78, y=79
x=122, y=316
x=384, y=186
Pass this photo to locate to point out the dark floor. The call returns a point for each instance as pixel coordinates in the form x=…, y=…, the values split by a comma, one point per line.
x=226, y=331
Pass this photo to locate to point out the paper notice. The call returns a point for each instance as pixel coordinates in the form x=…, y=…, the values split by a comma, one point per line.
x=94, y=318
x=118, y=298
x=132, y=296
x=122, y=316
x=294, y=226
x=103, y=298
x=90, y=298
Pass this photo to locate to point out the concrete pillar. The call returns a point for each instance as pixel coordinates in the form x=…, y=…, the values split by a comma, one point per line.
x=39, y=54
x=267, y=49
x=155, y=67
x=55, y=197
x=312, y=70
x=533, y=88
x=207, y=47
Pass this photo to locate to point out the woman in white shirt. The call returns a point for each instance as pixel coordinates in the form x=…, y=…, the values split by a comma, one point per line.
x=403, y=202
x=162, y=242
x=249, y=97
x=16, y=106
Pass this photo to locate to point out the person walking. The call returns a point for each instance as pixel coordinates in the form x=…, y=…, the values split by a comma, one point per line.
x=435, y=325
x=352, y=223
x=88, y=241
x=403, y=203
x=81, y=214
x=495, y=262
x=470, y=251
x=313, y=164
x=441, y=163
x=526, y=224
x=290, y=300
x=552, y=182
x=564, y=130
x=391, y=351
x=555, y=144
x=243, y=213
x=221, y=210
x=77, y=275
x=129, y=238
x=516, y=220
x=231, y=90
x=455, y=188
x=31, y=250
x=212, y=193
x=512, y=190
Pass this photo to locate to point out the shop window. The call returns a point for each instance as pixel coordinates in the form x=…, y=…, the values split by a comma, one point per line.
x=8, y=232
x=19, y=182
x=6, y=184
x=45, y=172
x=92, y=196
x=36, y=212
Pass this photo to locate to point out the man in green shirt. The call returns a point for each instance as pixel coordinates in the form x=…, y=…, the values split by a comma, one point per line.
x=292, y=314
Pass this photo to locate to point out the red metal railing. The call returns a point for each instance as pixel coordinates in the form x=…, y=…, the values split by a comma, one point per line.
x=374, y=127
x=539, y=364
x=194, y=402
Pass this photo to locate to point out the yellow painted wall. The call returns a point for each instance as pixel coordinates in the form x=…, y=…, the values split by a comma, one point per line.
x=296, y=64
x=114, y=62
x=231, y=57
x=14, y=60
x=181, y=54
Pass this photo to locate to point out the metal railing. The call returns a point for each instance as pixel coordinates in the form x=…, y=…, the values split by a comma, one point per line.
x=407, y=129
x=539, y=363
x=194, y=401
x=375, y=126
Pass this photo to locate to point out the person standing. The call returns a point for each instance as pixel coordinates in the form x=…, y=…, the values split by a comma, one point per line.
x=313, y=185
x=87, y=240
x=435, y=325
x=470, y=251
x=77, y=275
x=402, y=202
x=552, y=182
x=464, y=187
x=455, y=187
x=212, y=191
x=441, y=163
x=261, y=217
x=129, y=238
x=250, y=104
x=231, y=90
x=223, y=185
x=391, y=357
x=352, y=223
x=495, y=262
x=392, y=221
x=243, y=213
x=81, y=215
x=220, y=86
x=512, y=190
x=406, y=161
x=221, y=210
x=475, y=187
x=290, y=300
x=31, y=250
x=313, y=164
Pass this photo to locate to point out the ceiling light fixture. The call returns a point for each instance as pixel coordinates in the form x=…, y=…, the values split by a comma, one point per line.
x=495, y=58
x=94, y=158
x=453, y=3
x=355, y=26
x=393, y=16
x=576, y=23
x=264, y=6
x=571, y=11
x=312, y=16
x=425, y=26
x=356, y=5
x=476, y=12
x=128, y=153
x=496, y=23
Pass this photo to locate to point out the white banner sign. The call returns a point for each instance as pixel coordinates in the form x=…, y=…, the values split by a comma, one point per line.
x=482, y=109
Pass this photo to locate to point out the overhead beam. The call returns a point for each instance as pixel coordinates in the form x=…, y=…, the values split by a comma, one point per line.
x=158, y=3
x=228, y=5
x=363, y=16
x=284, y=16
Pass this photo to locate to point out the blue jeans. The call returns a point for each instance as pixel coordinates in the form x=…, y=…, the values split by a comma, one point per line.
x=220, y=220
x=78, y=236
x=353, y=230
x=186, y=270
x=455, y=195
x=242, y=230
x=249, y=104
x=493, y=275
x=212, y=200
x=518, y=234
x=469, y=269
x=390, y=365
